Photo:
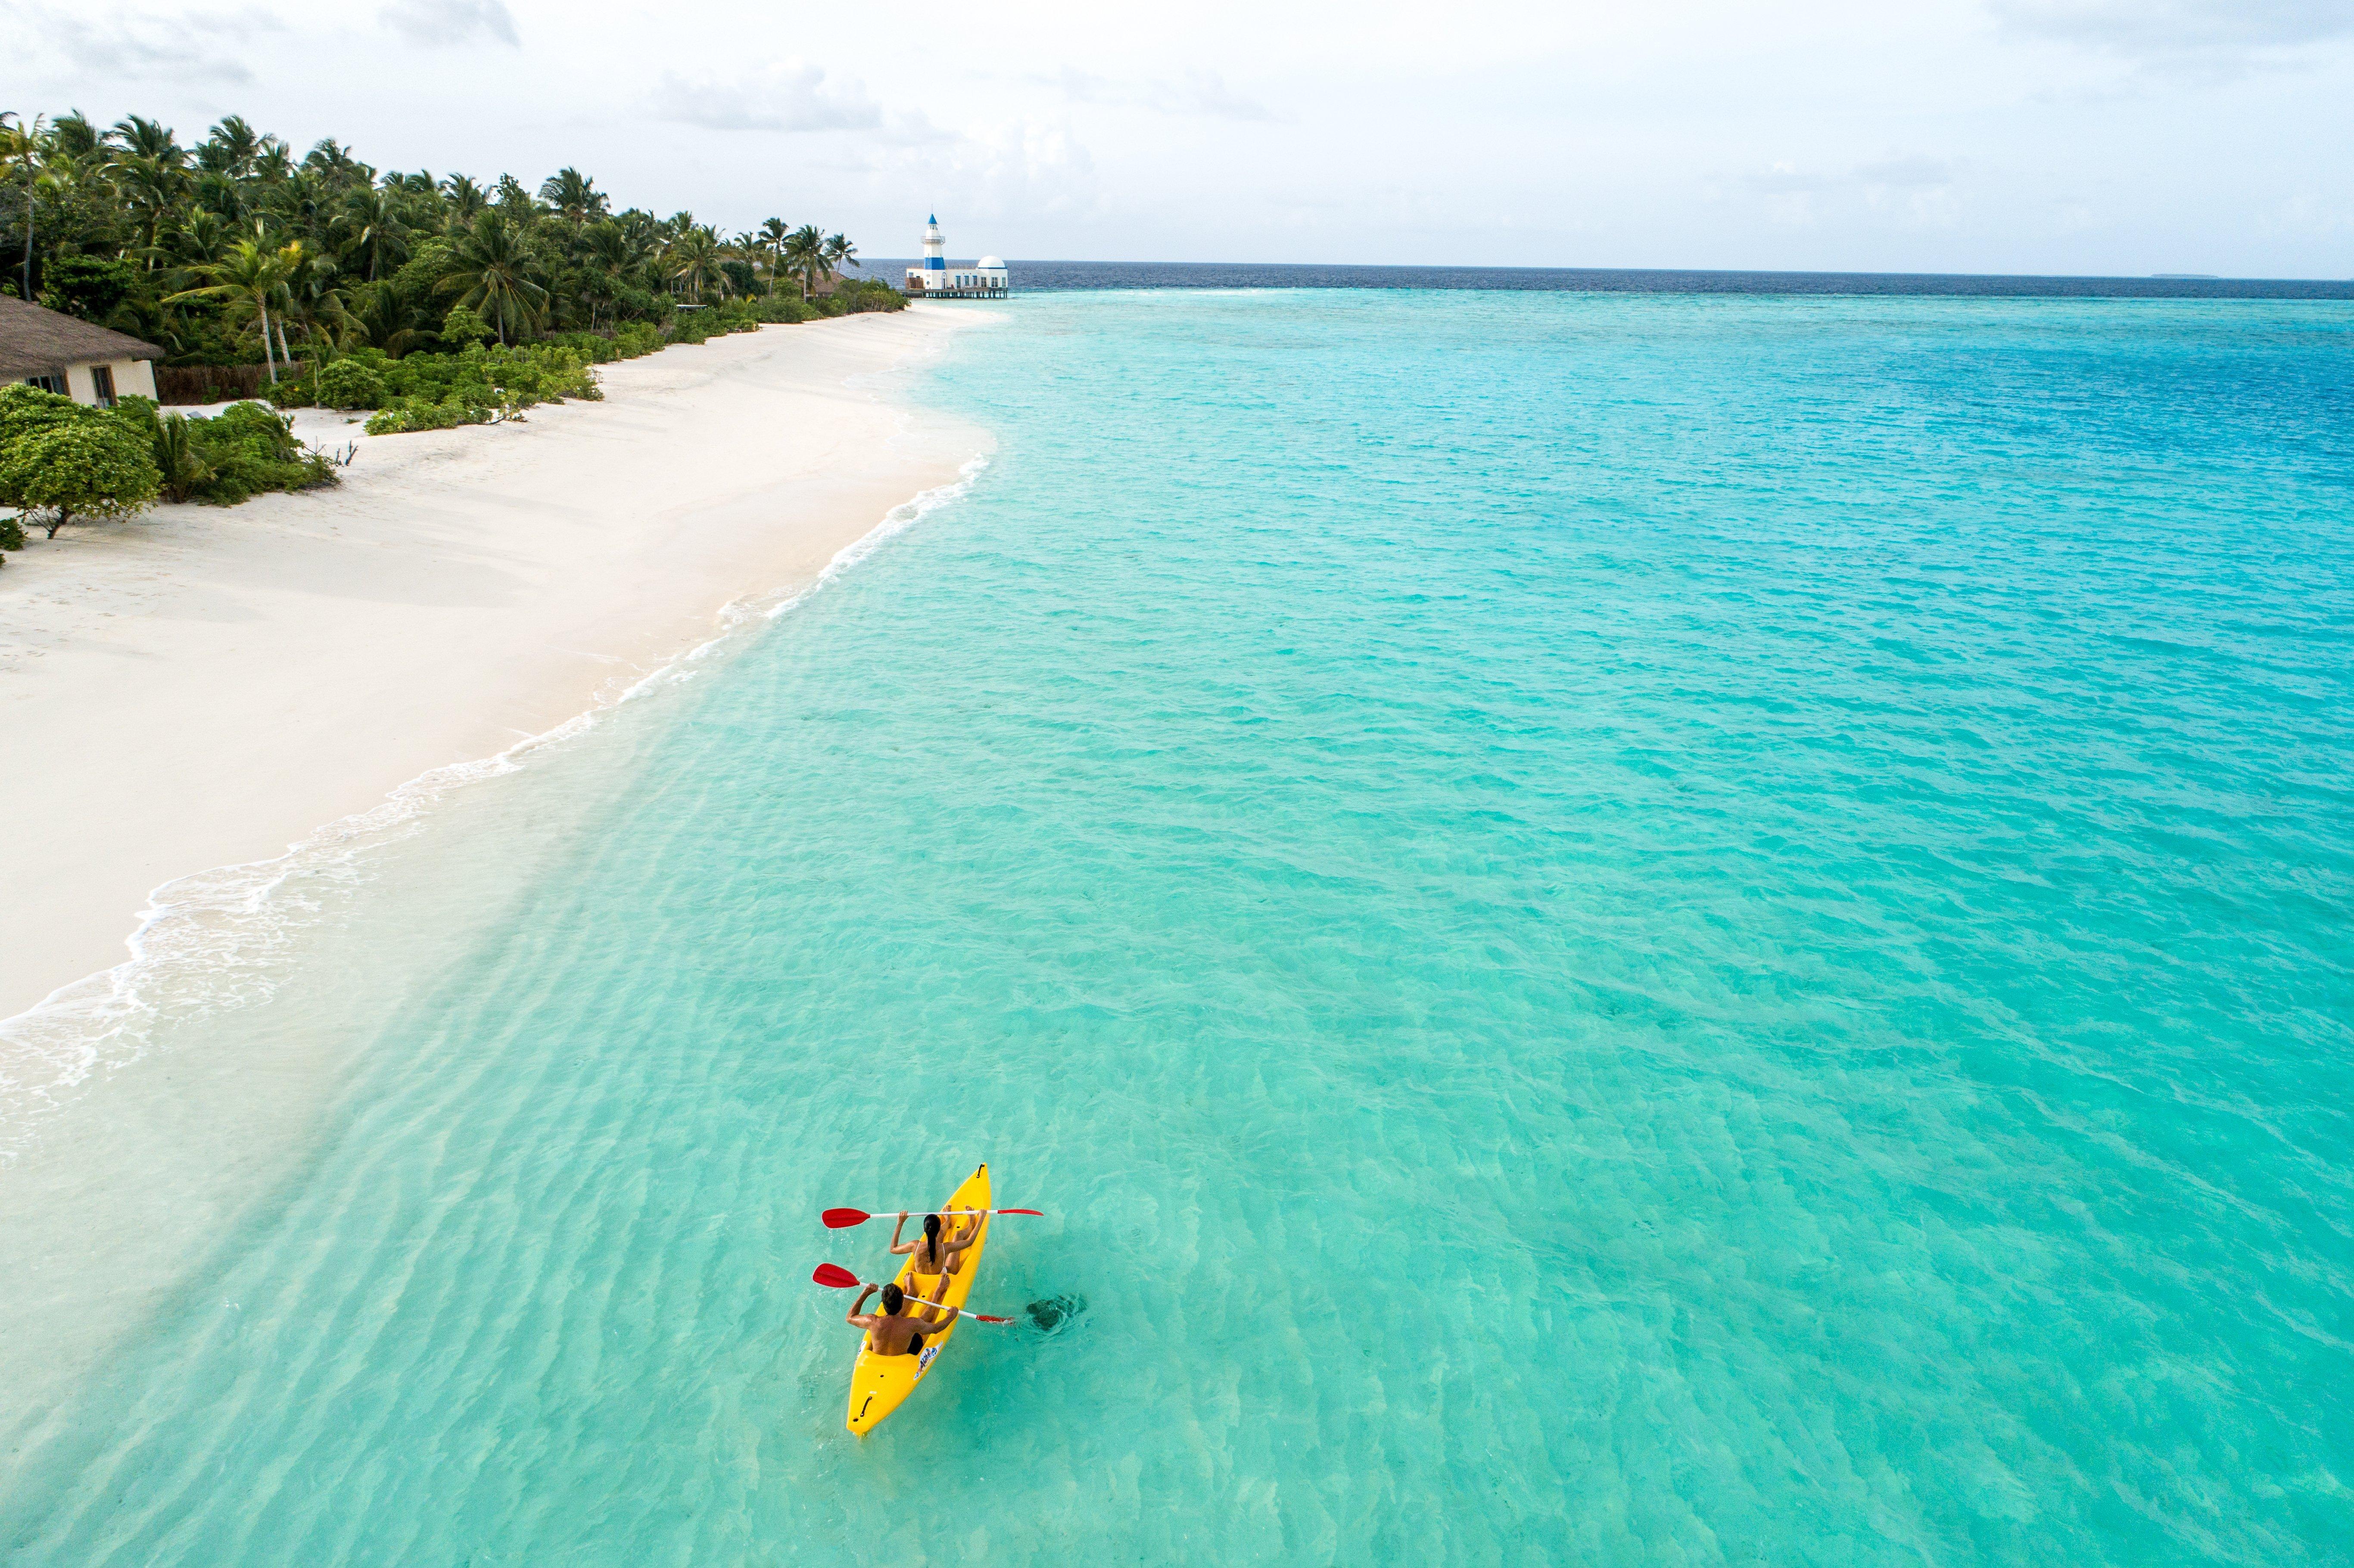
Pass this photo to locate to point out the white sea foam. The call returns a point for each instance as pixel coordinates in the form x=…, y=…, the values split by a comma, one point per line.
x=217, y=939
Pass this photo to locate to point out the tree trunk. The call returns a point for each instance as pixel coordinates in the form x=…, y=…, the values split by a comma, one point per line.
x=269, y=355
x=56, y=521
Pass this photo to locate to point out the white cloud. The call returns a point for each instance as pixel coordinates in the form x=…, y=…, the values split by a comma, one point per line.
x=1198, y=92
x=1914, y=190
x=449, y=23
x=790, y=97
x=202, y=46
x=2201, y=37
x=1914, y=173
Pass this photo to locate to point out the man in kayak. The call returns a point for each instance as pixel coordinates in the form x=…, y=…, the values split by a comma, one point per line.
x=890, y=1331
x=936, y=1258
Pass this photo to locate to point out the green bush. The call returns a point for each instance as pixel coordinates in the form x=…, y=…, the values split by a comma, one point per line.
x=462, y=326
x=407, y=415
x=294, y=391
x=247, y=450
x=25, y=409
x=89, y=468
x=61, y=459
x=12, y=533
x=437, y=391
x=350, y=384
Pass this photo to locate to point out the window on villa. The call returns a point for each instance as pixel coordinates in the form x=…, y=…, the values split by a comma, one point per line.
x=56, y=384
x=101, y=381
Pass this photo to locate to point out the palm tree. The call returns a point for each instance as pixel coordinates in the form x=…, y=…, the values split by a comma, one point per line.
x=21, y=147
x=331, y=162
x=372, y=221
x=773, y=235
x=230, y=149
x=492, y=277
x=805, y=255
x=249, y=278
x=312, y=299
x=840, y=252
x=149, y=140
x=515, y=201
x=575, y=195
x=466, y=198
x=152, y=188
x=201, y=236
x=606, y=254
x=220, y=196
x=693, y=259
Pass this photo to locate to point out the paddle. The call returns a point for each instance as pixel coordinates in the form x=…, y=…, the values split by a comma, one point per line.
x=836, y=1278
x=841, y=1218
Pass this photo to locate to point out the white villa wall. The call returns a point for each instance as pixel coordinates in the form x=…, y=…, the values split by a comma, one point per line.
x=132, y=377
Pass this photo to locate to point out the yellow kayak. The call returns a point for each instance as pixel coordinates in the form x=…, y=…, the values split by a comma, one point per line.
x=878, y=1384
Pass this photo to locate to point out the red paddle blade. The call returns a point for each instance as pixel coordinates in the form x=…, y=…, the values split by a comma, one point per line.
x=841, y=1218
x=1039, y=1212
x=840, y=1279
x=987, y=1318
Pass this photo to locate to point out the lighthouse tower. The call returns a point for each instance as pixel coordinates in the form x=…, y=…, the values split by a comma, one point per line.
x=984, y=280
x=936, y=249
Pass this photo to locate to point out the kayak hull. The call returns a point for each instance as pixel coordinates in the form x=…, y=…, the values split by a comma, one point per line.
x=880, y=1385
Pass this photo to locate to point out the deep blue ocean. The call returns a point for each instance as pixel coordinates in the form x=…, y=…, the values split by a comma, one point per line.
x=1058, y=277
x=1645, y=927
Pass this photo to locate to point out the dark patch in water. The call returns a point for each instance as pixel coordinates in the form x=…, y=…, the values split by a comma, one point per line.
x=1056, y=1313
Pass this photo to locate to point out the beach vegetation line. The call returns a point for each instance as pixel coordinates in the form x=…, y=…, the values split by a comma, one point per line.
x=236, y=251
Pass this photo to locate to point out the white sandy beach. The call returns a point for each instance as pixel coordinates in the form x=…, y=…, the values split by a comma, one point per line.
x=205, y=686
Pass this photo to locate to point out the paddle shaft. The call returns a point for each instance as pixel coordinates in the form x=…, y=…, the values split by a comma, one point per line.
x=960, y=1312
x=846, y=1280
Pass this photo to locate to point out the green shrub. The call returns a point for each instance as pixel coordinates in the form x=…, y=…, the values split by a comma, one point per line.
x=179, y=457
x=87, y=468
x=247, y=450
x=25, y=409
x=464, y=326
x=412, y=414
x=439, y=391
x=349, y=384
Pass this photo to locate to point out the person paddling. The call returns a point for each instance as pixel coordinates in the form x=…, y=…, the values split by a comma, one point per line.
x=891, y=1332
x=936, y=1258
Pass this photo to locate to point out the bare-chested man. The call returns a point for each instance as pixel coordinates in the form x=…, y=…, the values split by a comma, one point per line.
x=937, y=1256
x=892, y=1332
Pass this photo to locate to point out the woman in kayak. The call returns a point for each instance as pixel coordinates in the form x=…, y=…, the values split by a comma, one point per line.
x=889, y=1331
x=936, y=1260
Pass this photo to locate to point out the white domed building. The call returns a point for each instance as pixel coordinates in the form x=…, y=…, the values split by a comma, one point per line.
x=935, y=278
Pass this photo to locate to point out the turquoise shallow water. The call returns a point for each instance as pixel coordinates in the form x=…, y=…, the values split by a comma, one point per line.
x=1640, y=930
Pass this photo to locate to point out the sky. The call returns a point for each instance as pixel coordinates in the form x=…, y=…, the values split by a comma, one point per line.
x=2117, y=137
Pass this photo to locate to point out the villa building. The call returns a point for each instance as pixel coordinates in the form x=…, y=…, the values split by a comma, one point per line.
x=66, y=354
x=933, y=278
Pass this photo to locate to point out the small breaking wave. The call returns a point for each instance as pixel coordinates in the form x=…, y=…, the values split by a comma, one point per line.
x=215, y=940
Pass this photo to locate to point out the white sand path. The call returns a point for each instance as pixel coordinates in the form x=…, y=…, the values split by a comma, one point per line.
x=205, y=686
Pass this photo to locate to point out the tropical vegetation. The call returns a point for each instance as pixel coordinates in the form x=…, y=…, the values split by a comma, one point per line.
x=63, y=462
x=236, y=251
x=426, y=301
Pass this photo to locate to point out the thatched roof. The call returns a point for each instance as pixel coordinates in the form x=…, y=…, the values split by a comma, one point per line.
x=37, y=341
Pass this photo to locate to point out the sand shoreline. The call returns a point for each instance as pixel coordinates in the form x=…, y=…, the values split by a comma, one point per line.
x=205, y=687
